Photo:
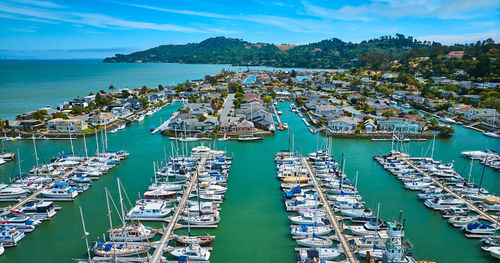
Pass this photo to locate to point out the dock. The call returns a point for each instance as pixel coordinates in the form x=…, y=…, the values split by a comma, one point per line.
x=280, y=125
x=32, y=197
x=171, y=225
x=470, y=204
x=349, y=254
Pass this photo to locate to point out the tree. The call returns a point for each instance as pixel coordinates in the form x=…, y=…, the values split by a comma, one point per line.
x=60, y=115
x=144, y=102
x=144, y=89
x=293, y=74
x=160, y=87
x=224, y=93
x=111, y=88
x=434, y=122
x=389, y=114
x=267, y=99
x=39, y=115
x=125, y=93
x=77, y=110
x=202, y=118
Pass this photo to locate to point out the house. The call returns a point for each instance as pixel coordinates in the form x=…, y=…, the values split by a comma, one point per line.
x=229, y=124
x=369, y=125
x=182, y=122
x=63, y=125
x=199, y=109
x=23, y=124
x=344, y=124
x=395, y=124
x=120, y=110
x=250, y=97
x=245, y=126
x=487, y=114
x=455, y=54
x=103, y=118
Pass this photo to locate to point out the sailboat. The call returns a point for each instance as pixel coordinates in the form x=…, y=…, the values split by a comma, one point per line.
x=223, y=139
x=492, y=133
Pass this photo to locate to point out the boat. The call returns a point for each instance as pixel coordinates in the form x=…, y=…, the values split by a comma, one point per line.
x=202, y=219
x=149, y=210
x=250, y=138
x=322, y=253
x=309, y=231
x=223, y=139
x=494, y=252
x=12, y=193
x=315, y=241
x=285, y=126
x=10, y=236
x=479, y=228
x=192, y=252
x=363, y=212
x=417, y=185
x=279, y=112
x=44, y=209
x=479, y=154
x=159, y=193
x=137, y=232
x=307, y=219
x=60, y=190
x=2, y=249
x=190, y=240
x=491, y=134
x=459, y=221
x=111, y=249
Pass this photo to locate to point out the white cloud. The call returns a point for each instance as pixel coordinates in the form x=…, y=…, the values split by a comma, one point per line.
x=38, y=3
x=445, y=9
x=462, y=38
x=89, y=19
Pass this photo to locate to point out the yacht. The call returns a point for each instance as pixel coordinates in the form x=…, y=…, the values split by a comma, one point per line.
x=110, y=249
x=479, y=228
x=315, y=241
x=149, y=210
x=308, y=231
x=307, y=219
x=60, y=190
x=460, y=221
x=202, y=219
x=43, y=209
x=159, y=193
x=12, y=193
x=363, y=212
x=137, y=232
x=192, y=252
x=10, y=236
x=323, y=253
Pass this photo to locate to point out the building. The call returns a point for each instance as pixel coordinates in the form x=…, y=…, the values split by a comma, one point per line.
x=487, y=114
x=455, y=54
x=102, y=119
x=344, y=124
x=183, y=123
x=23, y=124
x=400, y=125
x=63, y=125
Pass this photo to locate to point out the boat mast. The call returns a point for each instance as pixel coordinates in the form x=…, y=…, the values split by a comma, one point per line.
x=376, y=227
x=85, y=234
x=36, y=154
x=71, y=141
x=470, y=170
x=481, y=181
x=432, y=151
x=96, y=143
x=19, y=161
x=85, y=146
x=109, y=213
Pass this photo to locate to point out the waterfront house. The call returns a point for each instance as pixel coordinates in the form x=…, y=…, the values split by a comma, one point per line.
x=183, y=123
x=199, y=109
x=23, y=124
x=396, y=124
x=344, y=124
x=369, y=125
x=63, y=125
x=245, y=126
x=486, y=114
x=229, y=124
x=102, y=118
x=120, y=110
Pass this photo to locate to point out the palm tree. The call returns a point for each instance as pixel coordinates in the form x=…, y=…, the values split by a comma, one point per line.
x=111, y=88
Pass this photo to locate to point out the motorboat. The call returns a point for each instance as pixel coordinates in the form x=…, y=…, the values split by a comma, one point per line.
x=12, y=193
x=307, y=219
x=315, y=241
x=159, y=193
x=137, y=232
x=202, y=219
x=149, y=210
x=10, y=236
x=363, y=212
x=459, y=221
x=189, y=240
x=309, y=231
x=192, y=252
x=322, y=253
x=479, y=228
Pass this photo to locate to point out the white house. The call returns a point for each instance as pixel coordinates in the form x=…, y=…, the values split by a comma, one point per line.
x=103, y=118
x=344, y=124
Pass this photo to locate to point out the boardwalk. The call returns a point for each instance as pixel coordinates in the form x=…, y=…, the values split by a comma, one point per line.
x=171, y=226
x=485, y=215
x=333, y=219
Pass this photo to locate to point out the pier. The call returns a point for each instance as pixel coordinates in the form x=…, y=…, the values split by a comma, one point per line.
x=280, y=125
x=33, y=196
x=482, y=213
x=349, y=254
x=171, y=225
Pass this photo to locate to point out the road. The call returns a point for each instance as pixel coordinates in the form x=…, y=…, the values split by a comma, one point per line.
x=226, y=108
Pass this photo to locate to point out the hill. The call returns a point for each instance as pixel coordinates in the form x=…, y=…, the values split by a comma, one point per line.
x=331, y=53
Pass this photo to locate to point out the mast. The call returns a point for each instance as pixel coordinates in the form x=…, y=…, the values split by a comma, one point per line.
x=85, y=234
x=105, y=139
x=85, y=146
x=36, y=154
x=470, y=170
x=481, y=181
x=19, y=161
x=96, y=143
x=71, y=141
x=432, y=151
x=376, y=228
x=109, y=213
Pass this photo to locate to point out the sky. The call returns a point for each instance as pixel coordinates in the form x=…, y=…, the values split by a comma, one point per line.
x=42, y=29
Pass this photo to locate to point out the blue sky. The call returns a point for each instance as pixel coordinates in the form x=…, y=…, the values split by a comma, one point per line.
x=99, y=28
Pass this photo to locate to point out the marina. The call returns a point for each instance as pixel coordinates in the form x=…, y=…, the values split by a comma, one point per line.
x=263, y=202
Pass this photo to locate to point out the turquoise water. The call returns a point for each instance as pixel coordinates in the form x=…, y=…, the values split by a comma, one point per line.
x=254, y=225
